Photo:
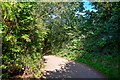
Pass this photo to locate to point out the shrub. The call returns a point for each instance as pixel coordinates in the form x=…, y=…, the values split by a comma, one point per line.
x=21, y=45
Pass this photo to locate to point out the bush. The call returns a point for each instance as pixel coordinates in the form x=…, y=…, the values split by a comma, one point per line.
x=21, y=45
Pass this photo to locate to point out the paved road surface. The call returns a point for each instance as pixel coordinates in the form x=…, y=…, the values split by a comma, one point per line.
x=57, y=67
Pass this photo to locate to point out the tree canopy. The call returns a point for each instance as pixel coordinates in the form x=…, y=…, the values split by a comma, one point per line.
x=33, y=29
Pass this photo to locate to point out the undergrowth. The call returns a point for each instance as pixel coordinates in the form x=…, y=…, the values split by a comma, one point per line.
x=33, y=64
x=106, y=64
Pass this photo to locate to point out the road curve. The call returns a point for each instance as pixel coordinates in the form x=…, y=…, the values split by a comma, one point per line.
x=57, y=67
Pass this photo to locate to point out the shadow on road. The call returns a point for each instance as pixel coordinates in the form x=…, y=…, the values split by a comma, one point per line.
x=73, y=70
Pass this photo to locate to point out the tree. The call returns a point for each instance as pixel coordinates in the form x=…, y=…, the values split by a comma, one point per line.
x=104, y=27
x=22, y=39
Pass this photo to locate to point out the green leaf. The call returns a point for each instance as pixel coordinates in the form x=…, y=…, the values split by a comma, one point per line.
x=26, y=37
x=8, y=37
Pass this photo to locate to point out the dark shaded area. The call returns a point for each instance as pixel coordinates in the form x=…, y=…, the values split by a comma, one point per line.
x=74, y=70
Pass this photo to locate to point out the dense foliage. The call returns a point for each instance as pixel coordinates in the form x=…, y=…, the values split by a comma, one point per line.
x=91, y=37
x=31, y=30
x=21, y=39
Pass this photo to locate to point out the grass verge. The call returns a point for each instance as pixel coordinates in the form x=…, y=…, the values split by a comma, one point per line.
x=106, y=64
